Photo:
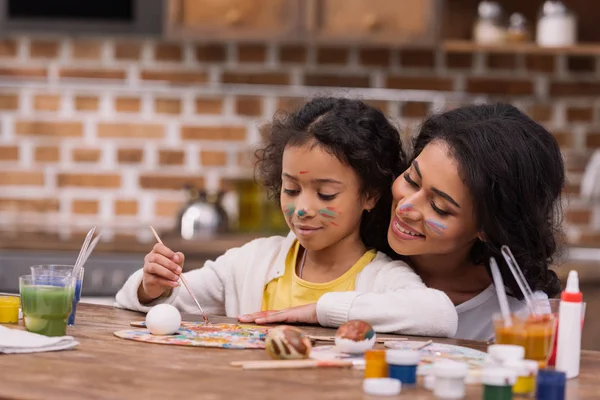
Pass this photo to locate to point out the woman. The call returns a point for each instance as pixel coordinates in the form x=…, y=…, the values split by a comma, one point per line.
x=481, y=177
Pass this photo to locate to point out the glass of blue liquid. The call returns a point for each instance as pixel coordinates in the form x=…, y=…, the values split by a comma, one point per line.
x=51, y=272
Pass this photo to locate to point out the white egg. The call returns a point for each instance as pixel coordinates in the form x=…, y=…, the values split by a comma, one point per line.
x=163, y=319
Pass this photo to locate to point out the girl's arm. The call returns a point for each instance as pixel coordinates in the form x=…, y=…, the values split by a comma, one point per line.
x=207, y=283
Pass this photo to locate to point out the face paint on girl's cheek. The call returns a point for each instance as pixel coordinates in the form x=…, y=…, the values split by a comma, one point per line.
x=436, y=227
x=303, y=172
x=329, y=213
x=289, y=210
x=404, y=208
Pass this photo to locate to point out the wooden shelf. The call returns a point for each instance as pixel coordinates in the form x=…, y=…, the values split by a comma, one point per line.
x=465, y=46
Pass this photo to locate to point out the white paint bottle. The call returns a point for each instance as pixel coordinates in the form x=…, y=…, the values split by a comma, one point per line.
x=568, y=348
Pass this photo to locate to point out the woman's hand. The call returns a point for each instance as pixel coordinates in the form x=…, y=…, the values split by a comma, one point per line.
x=306, y=314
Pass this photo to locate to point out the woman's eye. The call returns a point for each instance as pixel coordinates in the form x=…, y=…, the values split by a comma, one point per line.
x=439, y=210
x=408, y=179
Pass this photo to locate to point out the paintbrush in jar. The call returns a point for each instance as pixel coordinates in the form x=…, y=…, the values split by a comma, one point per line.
x=184, y=282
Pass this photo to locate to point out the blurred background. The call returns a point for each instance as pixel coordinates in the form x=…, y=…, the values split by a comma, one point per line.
x=124, y=113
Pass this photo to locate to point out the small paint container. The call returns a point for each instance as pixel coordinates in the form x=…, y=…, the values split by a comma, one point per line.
x=551, y=385
x=402, y=365
x=9, y=309
x=449, y=379
x=498, y=383
x=382, y=386
x=375, y=364
x=526, y=372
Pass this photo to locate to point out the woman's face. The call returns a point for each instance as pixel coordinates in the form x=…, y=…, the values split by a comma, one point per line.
x=432, y=211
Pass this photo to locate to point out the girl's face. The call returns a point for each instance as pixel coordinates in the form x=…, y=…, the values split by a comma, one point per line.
x=432, y=210
x=320, y=197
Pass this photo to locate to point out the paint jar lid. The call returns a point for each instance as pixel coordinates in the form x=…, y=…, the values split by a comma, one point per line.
x=523, y=367
x=402, y=357
x=550, y=377
x=498, y=376
x=504, y=352
x=450, y=369
x=382, y=386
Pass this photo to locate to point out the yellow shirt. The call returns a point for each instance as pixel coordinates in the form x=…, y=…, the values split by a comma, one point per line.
x=289, y=290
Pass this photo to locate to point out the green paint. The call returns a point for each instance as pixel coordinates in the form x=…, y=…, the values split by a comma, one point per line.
x=289, y=210
x=497, y=392
x=46, y=309
x=328, y=213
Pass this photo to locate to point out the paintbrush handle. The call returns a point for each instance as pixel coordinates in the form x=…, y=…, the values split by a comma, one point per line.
x=293, y=364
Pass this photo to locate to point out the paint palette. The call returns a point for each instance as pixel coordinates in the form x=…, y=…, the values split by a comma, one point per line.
x=198, y=334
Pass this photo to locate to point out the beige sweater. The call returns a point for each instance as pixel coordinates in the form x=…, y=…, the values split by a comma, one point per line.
x=388, y=294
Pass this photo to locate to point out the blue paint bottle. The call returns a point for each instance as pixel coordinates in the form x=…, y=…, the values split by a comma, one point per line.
x=551, y=385
x=402, y=365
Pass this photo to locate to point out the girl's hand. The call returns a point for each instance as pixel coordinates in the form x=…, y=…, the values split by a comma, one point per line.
x=306, y=314
x=162, y=268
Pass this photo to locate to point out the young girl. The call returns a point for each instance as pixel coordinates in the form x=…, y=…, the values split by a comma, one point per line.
x=331, y=164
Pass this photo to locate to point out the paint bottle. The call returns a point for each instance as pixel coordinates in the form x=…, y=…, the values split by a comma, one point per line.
x=402, y=365
x=498, y=383
x=526, y=371
x=551, y=385
x=568, y=347
x=375, y=364
x=449, y=379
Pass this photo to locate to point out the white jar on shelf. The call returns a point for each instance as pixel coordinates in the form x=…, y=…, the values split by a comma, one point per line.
x=489, y=27
x=557, y=25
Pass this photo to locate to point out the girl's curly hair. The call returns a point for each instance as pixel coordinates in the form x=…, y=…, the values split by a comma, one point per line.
x=357, y=134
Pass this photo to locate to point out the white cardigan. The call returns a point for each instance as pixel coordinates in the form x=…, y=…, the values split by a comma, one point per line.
x=388, y=294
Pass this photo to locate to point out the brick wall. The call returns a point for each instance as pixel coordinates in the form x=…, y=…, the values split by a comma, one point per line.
x=106, y=131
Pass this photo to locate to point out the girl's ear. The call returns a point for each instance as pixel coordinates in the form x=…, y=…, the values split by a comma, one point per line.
x=371, y=202
x=481, y=236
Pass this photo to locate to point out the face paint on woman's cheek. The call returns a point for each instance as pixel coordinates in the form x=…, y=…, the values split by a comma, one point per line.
x=436, y=227
x=289, y=210
x=330, y=214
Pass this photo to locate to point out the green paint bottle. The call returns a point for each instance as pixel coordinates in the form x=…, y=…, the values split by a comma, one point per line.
x=498, y=383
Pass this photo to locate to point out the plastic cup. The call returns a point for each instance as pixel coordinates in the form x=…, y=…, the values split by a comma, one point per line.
x=46, y=303
x=534, y=332
x=58, y=271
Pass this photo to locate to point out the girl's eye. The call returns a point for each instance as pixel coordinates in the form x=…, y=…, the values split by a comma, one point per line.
x=327, y=197
x=290, y=192
x=438, y=210
x=408, y=179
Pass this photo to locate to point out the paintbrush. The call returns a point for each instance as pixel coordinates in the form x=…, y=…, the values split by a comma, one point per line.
x=82, y=253
x=423, y=345
x=292, y=364
x=332, y=339
x=184, y=282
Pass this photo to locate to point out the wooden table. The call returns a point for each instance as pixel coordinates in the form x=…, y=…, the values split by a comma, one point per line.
x=106, y=367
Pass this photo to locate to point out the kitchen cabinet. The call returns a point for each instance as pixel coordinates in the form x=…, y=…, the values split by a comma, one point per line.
x=377, y=22
x=234, y=19
x=396, y=22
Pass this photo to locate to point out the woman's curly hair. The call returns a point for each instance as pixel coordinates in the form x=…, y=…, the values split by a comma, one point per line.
x=357, y=134
x=515, y=173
